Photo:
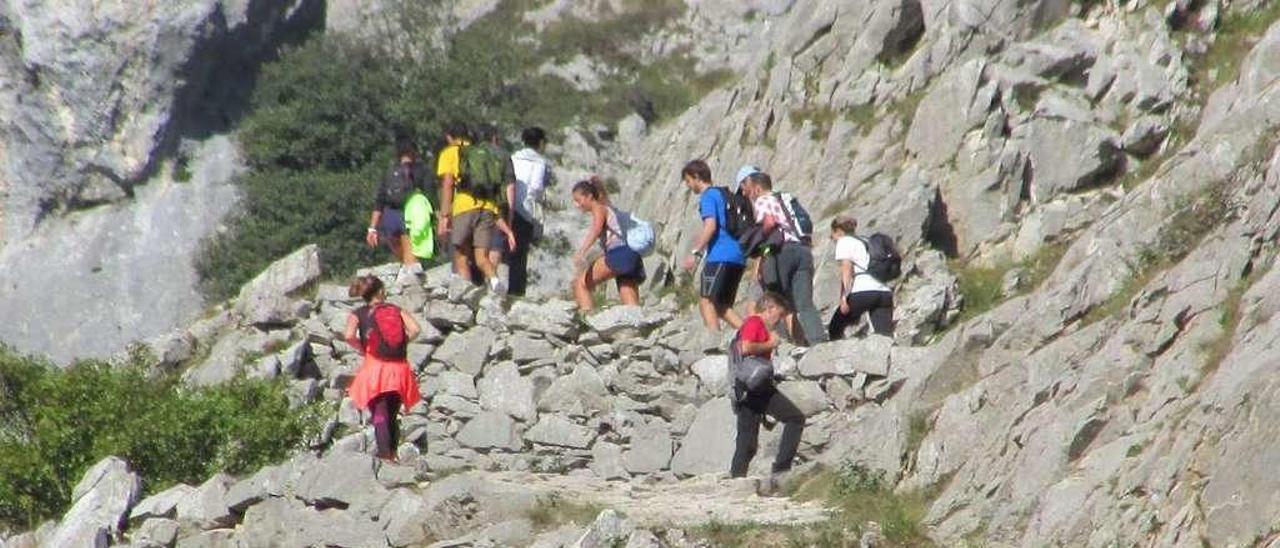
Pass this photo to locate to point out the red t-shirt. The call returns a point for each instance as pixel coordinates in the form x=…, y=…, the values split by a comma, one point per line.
x=754, y=330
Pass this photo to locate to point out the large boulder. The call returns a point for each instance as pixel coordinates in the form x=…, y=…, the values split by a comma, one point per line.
x=100, y=504
x=708, y=446
x=490, y=430
x=206, y=507
x=869, y=355
x=272, y=297
x=503, y=389
x=558, y=431
x=467, y=351
x=163, y=504
x=553, y=317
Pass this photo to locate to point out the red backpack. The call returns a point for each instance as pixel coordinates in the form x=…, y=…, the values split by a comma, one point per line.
x=382, y=331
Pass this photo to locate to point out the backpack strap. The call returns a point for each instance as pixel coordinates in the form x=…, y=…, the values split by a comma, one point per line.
x=790, y=220
x=867, y=246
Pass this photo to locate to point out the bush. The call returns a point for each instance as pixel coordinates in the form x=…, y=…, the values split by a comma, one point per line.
x=284, y=210
x=55, y=424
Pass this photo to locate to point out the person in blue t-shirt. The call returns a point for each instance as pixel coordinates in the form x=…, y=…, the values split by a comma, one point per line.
x=725, y=262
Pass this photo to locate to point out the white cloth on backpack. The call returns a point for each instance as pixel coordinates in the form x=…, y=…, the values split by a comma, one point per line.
x=769, y=205
x=853, y=250
x=533, y=175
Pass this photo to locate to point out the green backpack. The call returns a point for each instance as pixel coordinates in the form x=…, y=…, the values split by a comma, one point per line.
x=482, y=169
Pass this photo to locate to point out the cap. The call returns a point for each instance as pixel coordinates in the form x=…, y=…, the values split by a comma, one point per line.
x=744, y=172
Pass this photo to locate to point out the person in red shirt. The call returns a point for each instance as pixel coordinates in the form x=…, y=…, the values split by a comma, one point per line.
x=756, y=338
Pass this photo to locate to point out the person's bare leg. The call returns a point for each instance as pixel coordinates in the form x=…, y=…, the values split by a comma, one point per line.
x=710, y=316
x=484, y=264
x=495, y=259
x=628, y=292
x=461, y=266
x=582, y=291
x=584, y=285
x=731, y=317
x=404, y=249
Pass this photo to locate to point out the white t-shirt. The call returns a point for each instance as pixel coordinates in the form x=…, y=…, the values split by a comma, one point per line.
x=853, y=250
x=533, y=173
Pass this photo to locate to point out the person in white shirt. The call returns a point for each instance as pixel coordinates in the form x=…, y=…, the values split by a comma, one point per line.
x=860, y=292
x=532, y=176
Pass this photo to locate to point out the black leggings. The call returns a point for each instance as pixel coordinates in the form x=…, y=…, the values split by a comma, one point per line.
x=386, y=425
x=878, y=305
x=750, y=415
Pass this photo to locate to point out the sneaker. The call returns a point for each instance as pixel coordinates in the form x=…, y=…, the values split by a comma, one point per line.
x=497, y=286
x=405, y=278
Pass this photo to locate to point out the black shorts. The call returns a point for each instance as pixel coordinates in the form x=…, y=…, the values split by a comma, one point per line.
x=720, y=282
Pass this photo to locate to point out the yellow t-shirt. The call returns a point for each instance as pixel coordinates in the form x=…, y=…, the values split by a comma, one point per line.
x=449, y=164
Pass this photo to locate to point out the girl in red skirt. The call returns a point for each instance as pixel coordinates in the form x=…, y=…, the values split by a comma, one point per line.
x=381, y=332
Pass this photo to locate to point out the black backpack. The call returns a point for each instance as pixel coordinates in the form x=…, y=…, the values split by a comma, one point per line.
x=402, y=181
x=885, y=263
x=739, y=215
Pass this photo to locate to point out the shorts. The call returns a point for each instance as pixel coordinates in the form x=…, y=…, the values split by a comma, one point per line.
x=720, y=282
x=390, y=224
x=625, y=263
x=498, y=242
x=473, y=229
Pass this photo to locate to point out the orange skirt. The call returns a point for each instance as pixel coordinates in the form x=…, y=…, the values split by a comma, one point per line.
x=377, y=376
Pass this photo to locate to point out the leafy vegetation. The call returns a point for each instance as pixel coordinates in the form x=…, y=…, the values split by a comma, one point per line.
x=982, y=287
x=55, y=424
x=1236, y=34
x=553, y=510
x=324, y=116
x=857, y=495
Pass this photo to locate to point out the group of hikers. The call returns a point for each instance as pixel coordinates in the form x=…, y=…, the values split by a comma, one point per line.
x=488, y=211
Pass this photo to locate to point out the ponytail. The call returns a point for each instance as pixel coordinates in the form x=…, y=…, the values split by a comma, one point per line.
x=593, y=187
x=365, y=287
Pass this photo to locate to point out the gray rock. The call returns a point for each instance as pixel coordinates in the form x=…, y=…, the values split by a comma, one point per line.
x=1144, y=136
x=508, y=533
x=467, y=351
x=616, y=319
x=206, y=507
x=343, y=480
x=643, y=538
x=708, y=446
x=713, y=374
x=491, y=430
x=582, y=390
x=650, y=449
x=448, y=315
x=101, y=502
x=267, y=481
x=156, y=532
x=288, y=522
x=1068, y=156
x=807, y=396
x=503, y=389
x=271, y=298
x=553, y=317
x=558, y=431
x=609, y=529
x=457, y=406
x=606, y=461
x=526, y=349
x=217, y=538
x=868, y=355
x=403, y=517
x=453, y=383
x=162, y=504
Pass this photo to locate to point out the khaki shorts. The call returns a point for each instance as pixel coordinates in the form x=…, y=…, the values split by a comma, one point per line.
x=473, y=229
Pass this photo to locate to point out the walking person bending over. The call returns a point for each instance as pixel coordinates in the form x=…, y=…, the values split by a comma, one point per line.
x=788, y=269
x=468, y=208
x=384, y=383
x=725, y=262
x=532, y=174
x=756, y=340
x=386, y=223
x=619, y=260
x=860, y=292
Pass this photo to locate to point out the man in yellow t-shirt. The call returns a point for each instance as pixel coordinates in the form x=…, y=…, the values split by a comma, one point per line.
x=466, y=221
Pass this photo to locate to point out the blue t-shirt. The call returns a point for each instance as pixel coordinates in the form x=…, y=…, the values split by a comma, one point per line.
x=723, y=247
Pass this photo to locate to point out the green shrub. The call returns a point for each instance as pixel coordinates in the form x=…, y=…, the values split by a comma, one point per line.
x=55, y=424
x=284, y=210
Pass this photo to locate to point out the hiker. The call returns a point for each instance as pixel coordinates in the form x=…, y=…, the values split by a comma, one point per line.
x=753, y=289
x=756, y=340
x=387, y=222
x=787, y=267
x=384, y=383
x=530, y=173
x=469, y=211
x=619, y=261
x=860, y=292
x=725, y=263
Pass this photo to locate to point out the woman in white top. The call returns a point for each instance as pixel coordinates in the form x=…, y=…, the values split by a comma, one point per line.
x=860, y=292
x=619, y=261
